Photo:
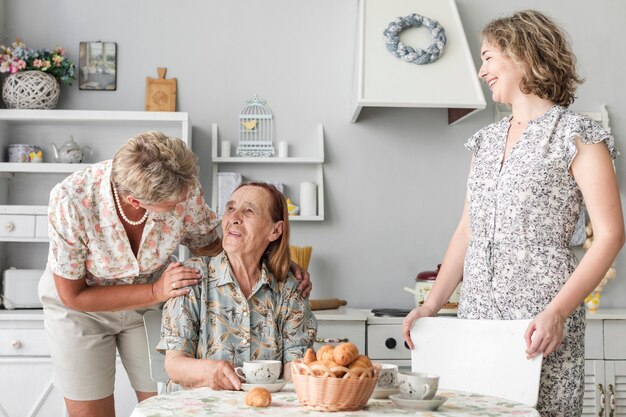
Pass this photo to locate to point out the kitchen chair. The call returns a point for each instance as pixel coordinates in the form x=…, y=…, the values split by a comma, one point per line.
x=481, y=356
x=152, y=323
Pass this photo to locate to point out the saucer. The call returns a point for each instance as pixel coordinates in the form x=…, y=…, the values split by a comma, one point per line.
x=382, y=393
x=275, y=387
x=420, y=405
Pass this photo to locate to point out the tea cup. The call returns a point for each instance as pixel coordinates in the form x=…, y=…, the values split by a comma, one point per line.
x=388, y=376
x=417, y=386
x=19, y=152
x=259, y=371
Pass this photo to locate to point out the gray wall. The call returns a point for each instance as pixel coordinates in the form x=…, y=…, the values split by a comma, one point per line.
x=395, y=181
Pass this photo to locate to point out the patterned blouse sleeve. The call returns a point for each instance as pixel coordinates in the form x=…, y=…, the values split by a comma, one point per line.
x=299, y=326
x=200, y=221
x=474, y=142
x=68, y=249
x=181, y=321
x=589, y=133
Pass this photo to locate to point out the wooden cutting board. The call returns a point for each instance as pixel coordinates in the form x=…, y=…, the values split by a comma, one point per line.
x=160, y=93
x=482, y=356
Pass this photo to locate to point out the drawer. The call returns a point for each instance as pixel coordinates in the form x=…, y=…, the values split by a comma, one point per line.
x=353, y=331
x=614, y=340
x=23, y=342
x=17, y=225
x=385, y=341
x=41, y=226
x=594, y=340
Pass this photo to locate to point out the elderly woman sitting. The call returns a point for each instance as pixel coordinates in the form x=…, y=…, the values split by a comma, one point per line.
x=247, y=305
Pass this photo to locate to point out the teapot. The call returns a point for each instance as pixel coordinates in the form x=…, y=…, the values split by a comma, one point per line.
x=70, y=152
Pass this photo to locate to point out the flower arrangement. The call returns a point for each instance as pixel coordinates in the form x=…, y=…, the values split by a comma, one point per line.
x=18, y=57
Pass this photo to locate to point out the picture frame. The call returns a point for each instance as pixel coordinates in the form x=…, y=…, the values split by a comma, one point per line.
x=97, y=68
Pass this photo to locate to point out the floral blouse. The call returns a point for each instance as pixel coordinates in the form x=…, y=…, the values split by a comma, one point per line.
x=216, y=321
x=87, y=238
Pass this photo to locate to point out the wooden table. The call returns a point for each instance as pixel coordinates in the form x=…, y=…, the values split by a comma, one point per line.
x=204, y=402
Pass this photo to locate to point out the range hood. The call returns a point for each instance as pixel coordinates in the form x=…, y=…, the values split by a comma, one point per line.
x=382, y=80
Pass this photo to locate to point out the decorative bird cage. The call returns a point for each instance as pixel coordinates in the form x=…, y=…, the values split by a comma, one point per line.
x=256, y=129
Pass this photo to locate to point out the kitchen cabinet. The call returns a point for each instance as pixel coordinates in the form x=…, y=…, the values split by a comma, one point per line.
x=25, y=364
x=291, y=170
x=26, y=369
x=605, y=364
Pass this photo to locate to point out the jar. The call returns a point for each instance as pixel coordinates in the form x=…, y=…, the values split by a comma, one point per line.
x=424, y=283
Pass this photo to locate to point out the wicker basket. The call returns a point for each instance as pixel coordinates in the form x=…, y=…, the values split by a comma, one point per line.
x=328, y=393
x=30, y=90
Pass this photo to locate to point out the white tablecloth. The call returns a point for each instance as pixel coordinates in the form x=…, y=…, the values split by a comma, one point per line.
x=201, y=402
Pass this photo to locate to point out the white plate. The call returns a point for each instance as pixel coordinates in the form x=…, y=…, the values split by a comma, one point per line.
x=421, y=405
x=381, y=393
x=275, y=387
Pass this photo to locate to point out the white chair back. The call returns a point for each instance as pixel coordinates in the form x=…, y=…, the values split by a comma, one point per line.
x=482, y=356
x=152, y=323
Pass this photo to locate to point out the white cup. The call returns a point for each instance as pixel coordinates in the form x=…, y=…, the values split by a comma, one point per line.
x=259, y=372
x=283, y=148
x=225, y=149
x=417, y=386
x=388, y=376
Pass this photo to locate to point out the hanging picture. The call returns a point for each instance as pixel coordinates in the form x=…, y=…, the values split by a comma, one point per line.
x=97, y=66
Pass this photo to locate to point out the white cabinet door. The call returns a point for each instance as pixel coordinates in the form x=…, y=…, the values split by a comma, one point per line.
x=26, y=388
x=125, y=398
x=595, y=389
x=615, y=388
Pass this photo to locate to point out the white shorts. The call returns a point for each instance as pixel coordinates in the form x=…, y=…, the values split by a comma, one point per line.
x=83, y=347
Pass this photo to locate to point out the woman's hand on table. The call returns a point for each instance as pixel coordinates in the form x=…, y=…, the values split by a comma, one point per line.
x=220, y=375
x=407, y=323
x=174, y=281
x=544, y=334
x=303, y=277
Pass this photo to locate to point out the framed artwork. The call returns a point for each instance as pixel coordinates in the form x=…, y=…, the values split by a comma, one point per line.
x=97, y=66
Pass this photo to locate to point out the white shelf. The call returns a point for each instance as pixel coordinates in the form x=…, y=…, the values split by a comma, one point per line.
x=270, y=160
x=90, y=117
x=40, y=168
x=317, y=160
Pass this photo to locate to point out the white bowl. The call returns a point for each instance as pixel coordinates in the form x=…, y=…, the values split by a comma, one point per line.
x=420, y=405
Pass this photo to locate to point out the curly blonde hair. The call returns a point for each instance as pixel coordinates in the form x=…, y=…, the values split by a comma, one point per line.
x=154, y=168
x=542, y=48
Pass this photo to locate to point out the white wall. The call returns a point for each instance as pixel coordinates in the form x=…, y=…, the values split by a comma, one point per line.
x=394, y=181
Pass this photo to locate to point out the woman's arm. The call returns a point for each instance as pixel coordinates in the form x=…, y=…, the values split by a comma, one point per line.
x=593, y=170
x=190, y=372
x=76, y=294
x=448, y=278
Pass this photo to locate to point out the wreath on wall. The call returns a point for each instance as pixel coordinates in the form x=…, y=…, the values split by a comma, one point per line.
x=410, y=54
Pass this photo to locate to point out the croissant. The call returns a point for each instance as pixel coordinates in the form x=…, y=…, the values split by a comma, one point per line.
x=325, y=353
x=361, y=364
x=345, y=353
x=258, y=397
x=309, y=356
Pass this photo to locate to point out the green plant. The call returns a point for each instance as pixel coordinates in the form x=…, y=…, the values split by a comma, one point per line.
x=18, y=57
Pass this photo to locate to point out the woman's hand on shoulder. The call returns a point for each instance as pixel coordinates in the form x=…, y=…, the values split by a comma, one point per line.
x=174, y=281
x=407, y=323
x=221, y=375
x=303, y=278
x=544, y=334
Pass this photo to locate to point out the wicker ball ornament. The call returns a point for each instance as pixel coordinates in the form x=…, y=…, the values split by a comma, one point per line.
x=30, y=90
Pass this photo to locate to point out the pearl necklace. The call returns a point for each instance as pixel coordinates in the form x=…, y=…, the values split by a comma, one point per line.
x=126, y=219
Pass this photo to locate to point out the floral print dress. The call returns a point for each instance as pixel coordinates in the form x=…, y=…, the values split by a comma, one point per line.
x=522, y=216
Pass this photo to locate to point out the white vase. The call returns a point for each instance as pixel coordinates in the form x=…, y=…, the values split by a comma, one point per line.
x=30, y=90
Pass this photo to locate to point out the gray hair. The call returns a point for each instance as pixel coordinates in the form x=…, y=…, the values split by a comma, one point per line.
x=154, y=168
